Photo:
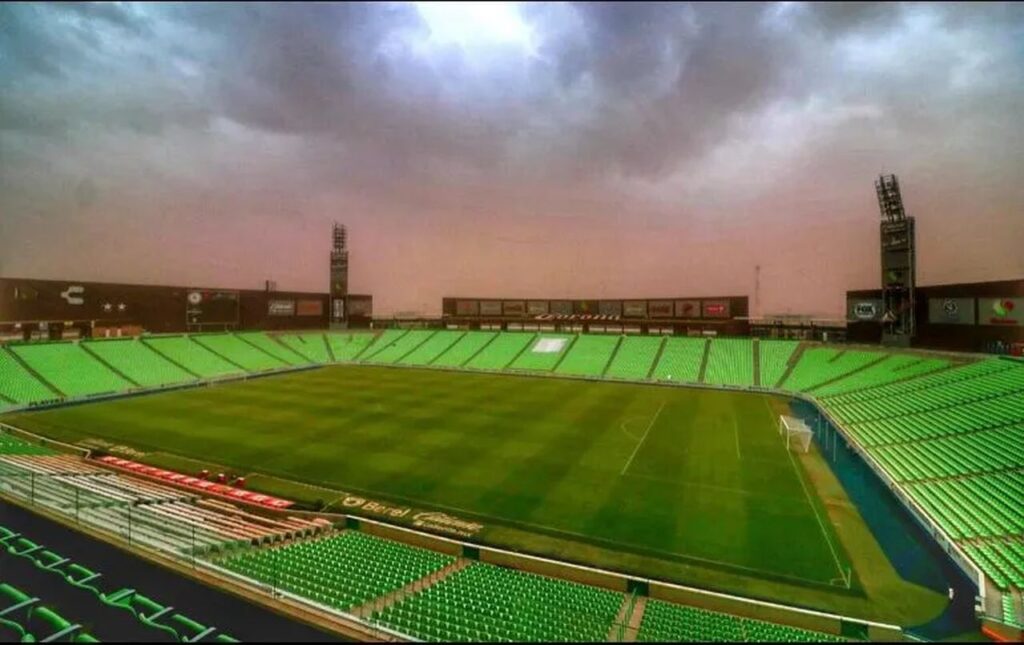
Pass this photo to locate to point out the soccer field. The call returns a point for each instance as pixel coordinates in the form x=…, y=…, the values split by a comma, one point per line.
x=694, y=476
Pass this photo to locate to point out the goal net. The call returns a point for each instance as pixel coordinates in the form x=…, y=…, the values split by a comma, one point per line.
x=796, y=433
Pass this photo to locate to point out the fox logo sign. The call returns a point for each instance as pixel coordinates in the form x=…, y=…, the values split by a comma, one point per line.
x=73, y=295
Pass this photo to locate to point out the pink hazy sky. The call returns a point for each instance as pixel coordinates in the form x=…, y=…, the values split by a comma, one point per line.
x=540, y=151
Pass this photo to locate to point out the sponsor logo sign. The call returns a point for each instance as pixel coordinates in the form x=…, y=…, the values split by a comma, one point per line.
x=1001, y=311
x=863, y=309
x=513, y=307
x=281, y=307
x=951, y=311
x=534, y=307
x=634, y=308
x=715, y=308
x=309, y=307
x=194, y=483
x=490, y=307
x=660, y=308
x=687, y=308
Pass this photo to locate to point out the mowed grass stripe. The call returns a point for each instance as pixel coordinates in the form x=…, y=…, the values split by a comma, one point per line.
x=533, y=452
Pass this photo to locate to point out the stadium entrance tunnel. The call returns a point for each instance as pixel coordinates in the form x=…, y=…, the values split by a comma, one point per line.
x=907, y=545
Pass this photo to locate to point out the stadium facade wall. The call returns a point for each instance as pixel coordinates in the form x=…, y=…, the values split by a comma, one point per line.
x=51, y=306
x=719, y=315
x=967, y=327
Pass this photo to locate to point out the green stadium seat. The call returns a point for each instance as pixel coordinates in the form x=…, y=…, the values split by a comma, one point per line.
x=18, y=384
x=634, y=358
x=240, y=352
x=184, y=351
x=465, y=348
x=680, y=360
x=589, y=355
x=730, y=362
x=139, y=362
x=71, y=369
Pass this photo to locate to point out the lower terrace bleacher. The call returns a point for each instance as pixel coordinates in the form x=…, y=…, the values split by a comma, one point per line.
x=589, y=356
x=342, y=570
x=159, y=622
x=312, y=346
x=466, y=347
x=730, y=362
x=775, y=356
x=240, y=352
x=820, y=366
x=680, y=360
x=635, y=357
x=274, y=348
x=436, y=345
x=666, y=622
x=483, y=602
x=71, y=369
x=187, y=353
x=138, y=362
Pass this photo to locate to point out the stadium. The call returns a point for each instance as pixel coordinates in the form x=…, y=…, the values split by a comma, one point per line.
x=549, y=404
x=626, y=470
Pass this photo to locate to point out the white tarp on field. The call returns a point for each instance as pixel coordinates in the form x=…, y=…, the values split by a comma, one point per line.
x=549, y=345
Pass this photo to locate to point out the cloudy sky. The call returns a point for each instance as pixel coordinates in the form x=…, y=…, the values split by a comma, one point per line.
x=555, y=150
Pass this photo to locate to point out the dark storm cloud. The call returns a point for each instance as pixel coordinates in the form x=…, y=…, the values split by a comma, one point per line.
x=656, y=112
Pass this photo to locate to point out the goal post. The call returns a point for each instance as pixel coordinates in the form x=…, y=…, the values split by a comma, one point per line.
x=796, y=433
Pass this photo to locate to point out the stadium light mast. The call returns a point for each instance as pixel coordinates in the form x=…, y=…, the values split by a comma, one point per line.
x=339, y=274
x=898, y=260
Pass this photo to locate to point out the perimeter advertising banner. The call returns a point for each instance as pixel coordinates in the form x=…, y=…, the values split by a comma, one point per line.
x=610, y=308
x=715, y=308
x=467, y=307
x=634, y=308
x=660, y=308
x=490, y=307
x=687, y=308
x=864, y=309
x=951, y=311
x=536, y=307
x=561, y=307
x=1000, y=311
x=309, y=308
x=513, y=307
x=280, y=307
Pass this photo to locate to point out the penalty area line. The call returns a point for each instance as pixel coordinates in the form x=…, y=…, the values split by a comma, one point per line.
x=642, y=439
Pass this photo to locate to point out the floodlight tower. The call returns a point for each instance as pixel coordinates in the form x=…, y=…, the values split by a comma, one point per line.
x=339, y=273
x=898, y=254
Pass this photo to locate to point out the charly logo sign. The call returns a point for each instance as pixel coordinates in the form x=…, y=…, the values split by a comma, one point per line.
x=73, y=295
x=195, y=298
x=951, y=308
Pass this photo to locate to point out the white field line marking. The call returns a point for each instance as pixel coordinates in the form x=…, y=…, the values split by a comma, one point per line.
x=642, y=439
x=814, y=509
x=736, y=432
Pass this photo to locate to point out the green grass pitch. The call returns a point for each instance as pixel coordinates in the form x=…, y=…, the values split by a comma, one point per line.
x=694, y=476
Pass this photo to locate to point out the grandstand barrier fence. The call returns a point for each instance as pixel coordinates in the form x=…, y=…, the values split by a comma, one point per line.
x=60, y=446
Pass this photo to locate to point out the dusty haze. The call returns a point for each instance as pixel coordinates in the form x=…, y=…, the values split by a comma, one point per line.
x=566, y=150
